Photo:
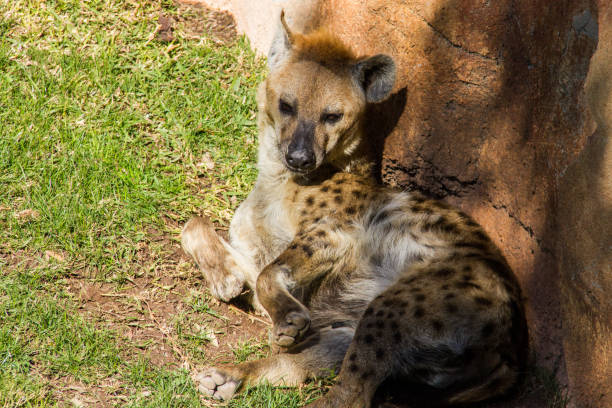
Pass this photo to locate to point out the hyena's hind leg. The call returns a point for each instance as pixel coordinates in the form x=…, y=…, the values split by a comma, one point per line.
x=456, y=340
x=318, y=355
x=225, y=269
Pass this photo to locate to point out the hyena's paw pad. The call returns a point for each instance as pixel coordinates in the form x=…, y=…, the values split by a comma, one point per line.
x=290, y=328
x=216, y=384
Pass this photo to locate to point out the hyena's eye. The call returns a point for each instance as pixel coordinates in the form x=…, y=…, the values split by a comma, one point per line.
x=331, y=118
x=285, y=108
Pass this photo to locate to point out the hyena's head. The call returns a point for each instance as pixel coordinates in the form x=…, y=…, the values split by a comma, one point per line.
x=315, y=97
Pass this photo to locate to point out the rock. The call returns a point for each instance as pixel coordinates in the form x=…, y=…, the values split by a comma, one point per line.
x=258, y=19
x=585, y=239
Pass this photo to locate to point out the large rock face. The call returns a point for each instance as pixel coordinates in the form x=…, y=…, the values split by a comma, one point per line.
x=491, y=114
x=585, y=240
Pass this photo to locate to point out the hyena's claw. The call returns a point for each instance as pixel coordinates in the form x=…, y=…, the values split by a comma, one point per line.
x=291, y=328
x=216, y=384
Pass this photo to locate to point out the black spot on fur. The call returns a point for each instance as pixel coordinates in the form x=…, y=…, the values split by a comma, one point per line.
x=500, y=268
x=419, y=312
x=339, y=181
x=368, y=311
x=470, y=244
x=444, y=287
x=321, y=233
x=307, y=250
x=370, y=326
x=403, y=304
x=441, y=224
x=388, y=302
x=397, y=292
x=380, y=324
x=449, y=296
x=353, y=357
x=420, y=297
x=316, y=220
x=394, y=325
x=310, y=200
x=415, y=289
x=304, y=212
x=350, y=210
x=401, y=312
x=509, y=287
x=390, y=315
x=444, y=272
x=467, y=285
x=467, y=277
x=337, y=191
x=380, y=353
x=437, y=325
x=379, y=217
x=380, y=313
x=408, y=281
x=338, y=199
x=293, y=246
x=483, y=301
x=367, y=375
x=451, y=308
x=325, y=189
x=481, y=235
x=369, y=339
x=470, y=222
x=323, y=204
x=397, y=337
x=353, y=368
x=467, y=268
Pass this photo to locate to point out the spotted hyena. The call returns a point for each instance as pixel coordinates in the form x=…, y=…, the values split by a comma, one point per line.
x=355, y=276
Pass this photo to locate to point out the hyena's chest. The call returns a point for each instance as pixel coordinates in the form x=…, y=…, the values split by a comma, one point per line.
x=338, y=201
x=276, y=214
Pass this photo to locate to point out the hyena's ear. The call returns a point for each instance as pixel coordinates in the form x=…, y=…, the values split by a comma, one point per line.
x=281, y=44
x=376, y=76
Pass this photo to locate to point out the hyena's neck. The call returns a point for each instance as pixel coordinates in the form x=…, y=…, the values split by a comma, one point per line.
x=357, y=156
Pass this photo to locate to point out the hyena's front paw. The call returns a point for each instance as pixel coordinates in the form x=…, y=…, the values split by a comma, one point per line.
x=290, y=328
x=200, y=240
x=216, y=383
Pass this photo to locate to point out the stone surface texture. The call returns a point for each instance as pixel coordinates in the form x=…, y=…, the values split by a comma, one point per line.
x=491, y=113
x=258, y=19
x=584, y=240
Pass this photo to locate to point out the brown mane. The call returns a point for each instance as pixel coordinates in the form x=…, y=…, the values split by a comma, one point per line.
x=323, y=47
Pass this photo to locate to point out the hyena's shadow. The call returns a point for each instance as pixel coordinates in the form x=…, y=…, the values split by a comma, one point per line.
x=380, y=120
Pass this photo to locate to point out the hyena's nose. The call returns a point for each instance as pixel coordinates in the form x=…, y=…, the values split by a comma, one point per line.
x=300, y=159
x=300, y=154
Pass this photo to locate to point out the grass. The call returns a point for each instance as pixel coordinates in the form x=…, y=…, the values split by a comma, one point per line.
x=109, y=141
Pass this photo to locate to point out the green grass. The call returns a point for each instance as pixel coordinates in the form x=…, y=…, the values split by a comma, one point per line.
x=103, y=129
x=109, y=141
